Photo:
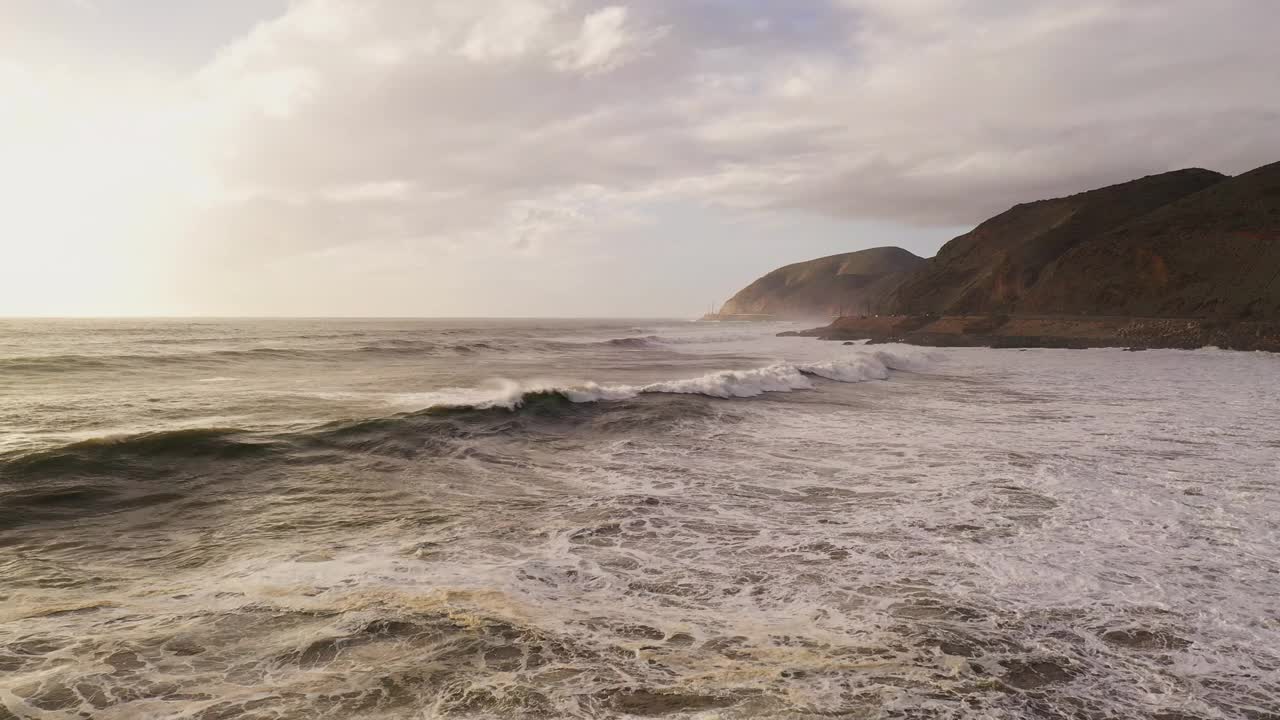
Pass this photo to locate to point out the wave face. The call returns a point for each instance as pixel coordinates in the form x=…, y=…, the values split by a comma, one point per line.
x=311, y=352
x=555, y=519
x=129, y=453
x=776, y=377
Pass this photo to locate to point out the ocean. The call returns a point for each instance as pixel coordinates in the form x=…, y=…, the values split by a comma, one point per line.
x=274, y=519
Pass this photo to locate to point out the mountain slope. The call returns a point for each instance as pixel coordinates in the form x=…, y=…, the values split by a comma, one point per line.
x=848, y=283
x=1215, y=253
x=991, y=268
x=1184, y=244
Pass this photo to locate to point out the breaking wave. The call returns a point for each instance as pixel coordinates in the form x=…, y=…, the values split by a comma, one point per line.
x=423, y=347
x=778, y=377
x=643, y=341
x=437, y=419
x=650, y=341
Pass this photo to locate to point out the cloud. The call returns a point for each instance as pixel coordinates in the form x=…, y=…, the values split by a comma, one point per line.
x=604, y=42
x=919, y=112
x=506, y=30
x=469, y=129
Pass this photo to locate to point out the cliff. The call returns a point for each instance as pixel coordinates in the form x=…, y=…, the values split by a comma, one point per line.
x=1180, y=259
x=856, y=282
x=1214, y=253
x=994, y=267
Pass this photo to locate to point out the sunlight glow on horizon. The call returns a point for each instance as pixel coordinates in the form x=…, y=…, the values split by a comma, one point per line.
x=93, y=180
x=543, y=157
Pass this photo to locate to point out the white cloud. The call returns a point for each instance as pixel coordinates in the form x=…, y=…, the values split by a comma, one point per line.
x=506, y=30
x=370, y=192
x=604, y=42
x=921, y=111
x=470, y=129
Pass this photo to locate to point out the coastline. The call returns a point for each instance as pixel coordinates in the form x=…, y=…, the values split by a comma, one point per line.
x=1044, y=331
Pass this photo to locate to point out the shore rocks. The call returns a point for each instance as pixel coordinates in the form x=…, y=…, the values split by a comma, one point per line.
x=1002, y=331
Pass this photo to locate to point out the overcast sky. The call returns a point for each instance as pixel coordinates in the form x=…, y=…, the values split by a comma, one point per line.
x=572, y=157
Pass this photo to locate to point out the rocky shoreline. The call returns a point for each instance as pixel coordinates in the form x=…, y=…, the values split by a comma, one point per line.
x=1003, y=331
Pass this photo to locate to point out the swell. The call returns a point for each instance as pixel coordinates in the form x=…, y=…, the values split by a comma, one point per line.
x=112, y=473
x=123, y=452
x=427, y=347
x=660, y=341
x=644, y=341
x=438, y=346
x=778, y=377
x=192, y=467
x=498, y=400
x=118, y=472
x=72, y=362
x=436, y=431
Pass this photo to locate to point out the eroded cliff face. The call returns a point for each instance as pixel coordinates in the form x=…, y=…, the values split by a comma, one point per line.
x=856, y=282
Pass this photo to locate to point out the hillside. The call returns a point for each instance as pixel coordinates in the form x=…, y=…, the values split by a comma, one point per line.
x=994, y=266
x=1189, y=244
x=1215, y=253
x=853, y=282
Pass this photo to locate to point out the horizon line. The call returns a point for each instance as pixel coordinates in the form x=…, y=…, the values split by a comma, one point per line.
x=345, y=317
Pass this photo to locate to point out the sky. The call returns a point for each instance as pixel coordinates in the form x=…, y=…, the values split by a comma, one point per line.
x=572, y=158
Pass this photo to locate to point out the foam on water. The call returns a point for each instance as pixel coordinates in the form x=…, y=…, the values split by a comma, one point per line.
x=989, y=534
x=777, y=377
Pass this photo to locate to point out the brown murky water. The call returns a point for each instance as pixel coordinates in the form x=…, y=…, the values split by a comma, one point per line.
x=331, y=519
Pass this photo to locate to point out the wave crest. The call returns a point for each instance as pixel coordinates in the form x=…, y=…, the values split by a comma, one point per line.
x=120, y=453
x=439, y=419
x=778, y=377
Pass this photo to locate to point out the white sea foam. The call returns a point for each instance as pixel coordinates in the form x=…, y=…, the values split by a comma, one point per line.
x=745, y=383
x=1002, y=535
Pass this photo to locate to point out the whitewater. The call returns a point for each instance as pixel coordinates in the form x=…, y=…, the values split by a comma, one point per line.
x=644, y=518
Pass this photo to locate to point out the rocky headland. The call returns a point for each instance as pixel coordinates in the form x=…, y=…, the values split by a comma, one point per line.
x=1184, y=259
x=850, y=283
